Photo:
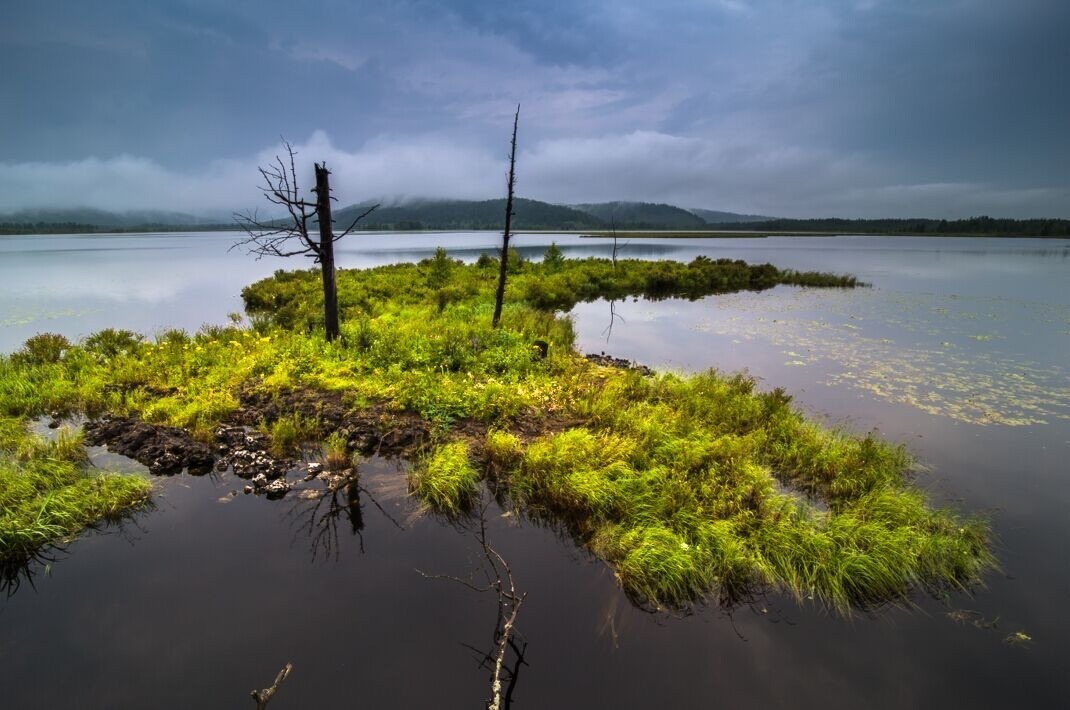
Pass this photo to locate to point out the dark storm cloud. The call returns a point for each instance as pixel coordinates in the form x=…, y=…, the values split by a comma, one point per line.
x=784, y=107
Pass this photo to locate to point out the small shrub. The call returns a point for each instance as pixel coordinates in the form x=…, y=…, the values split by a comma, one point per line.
x=553, y=258
x=41, y=349
x=110, y=343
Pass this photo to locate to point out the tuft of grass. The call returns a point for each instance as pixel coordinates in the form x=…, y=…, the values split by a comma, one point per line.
x=446, y=480
x=337, y=452
x=503, y=449
x=288, y=433
x=48, y=495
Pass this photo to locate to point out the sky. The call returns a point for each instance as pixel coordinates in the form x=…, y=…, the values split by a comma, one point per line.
x=795, y=108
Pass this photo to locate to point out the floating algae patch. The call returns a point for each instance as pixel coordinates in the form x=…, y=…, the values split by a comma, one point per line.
x=943, y=354
x=28, y=315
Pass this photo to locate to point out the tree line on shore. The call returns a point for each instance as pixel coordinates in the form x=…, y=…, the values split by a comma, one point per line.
x=536, y=215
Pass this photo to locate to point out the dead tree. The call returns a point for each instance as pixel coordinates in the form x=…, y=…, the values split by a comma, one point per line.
x=613, y=230
x=291, y=235
x=499, y=296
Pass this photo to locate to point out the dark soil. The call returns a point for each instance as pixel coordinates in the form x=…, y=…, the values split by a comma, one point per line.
x=372, y=431
x=165, y=450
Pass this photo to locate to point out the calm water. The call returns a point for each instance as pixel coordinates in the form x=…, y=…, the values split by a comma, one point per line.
x=960, y=350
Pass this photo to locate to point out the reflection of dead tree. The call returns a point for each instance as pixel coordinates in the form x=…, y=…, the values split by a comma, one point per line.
x=263, y=697
x=613, y=316
x=341, y=498
x=291, y=236
x=499, y=580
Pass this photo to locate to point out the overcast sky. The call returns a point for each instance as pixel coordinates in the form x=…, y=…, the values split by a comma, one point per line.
x=942, y=108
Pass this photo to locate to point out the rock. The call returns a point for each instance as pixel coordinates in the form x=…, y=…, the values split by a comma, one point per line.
x=620, y=363
x=247, y=490
x=314, y=468
x=168, y=462
x=247, y=453
x=277, y=488
x=260, y=480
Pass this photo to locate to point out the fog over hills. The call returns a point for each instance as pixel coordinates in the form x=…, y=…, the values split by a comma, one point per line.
x=642, y=214
x=429, y=214
x=104, y=218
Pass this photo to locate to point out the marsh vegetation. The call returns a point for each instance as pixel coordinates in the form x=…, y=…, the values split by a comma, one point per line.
x=691, y=488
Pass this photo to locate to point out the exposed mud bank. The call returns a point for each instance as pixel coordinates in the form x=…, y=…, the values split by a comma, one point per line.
x=165, y=450
x=372, y=430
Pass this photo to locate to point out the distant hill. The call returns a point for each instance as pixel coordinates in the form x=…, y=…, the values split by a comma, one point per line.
x=466, y=214
x=643, y=215
x=717, y=217
x=87, y=220
x=103, y=218
x=530, y=215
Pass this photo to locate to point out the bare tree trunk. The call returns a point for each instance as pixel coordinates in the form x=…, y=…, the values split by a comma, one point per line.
x=500, y=295
x=326, y=251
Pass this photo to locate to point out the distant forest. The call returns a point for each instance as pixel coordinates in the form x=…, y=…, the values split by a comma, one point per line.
x=82, y=228
x=535, y=215
x=464, y=214
x=935, y=227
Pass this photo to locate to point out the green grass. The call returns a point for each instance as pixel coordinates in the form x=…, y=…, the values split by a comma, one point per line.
x=690, y=487
x=47, y=493
x=446, y=480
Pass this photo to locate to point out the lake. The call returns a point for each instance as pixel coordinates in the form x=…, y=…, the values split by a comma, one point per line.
x=960, y=351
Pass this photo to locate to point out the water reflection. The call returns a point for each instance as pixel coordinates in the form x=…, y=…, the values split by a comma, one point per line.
x=100, y=617
x=27, y=569
x=317, y=512
x=16, y=571
x=504, y=657
x=613, y=317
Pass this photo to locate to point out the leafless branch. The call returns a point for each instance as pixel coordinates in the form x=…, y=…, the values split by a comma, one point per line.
x=281, y=237
x=500, y=581
x=361, y=216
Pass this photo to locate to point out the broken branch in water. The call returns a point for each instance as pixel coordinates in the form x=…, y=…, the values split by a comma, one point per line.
x=500, y=581
x=263, y=697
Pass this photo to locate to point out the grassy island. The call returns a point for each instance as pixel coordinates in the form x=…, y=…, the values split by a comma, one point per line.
x=692, y=488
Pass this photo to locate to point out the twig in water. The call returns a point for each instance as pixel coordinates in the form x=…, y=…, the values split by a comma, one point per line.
x=263, y=697
x=500, y=581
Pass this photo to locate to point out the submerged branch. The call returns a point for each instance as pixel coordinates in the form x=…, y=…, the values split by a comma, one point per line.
x=263, y=697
